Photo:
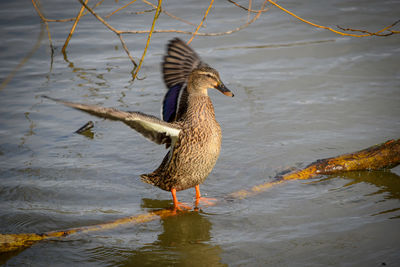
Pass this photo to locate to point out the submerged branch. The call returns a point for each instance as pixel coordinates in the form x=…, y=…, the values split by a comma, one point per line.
x=378, y=157
x=383, y=156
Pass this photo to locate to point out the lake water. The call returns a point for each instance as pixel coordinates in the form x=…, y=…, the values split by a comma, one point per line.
x=301, y=94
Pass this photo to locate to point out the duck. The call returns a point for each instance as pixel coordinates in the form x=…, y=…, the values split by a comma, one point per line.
x=188, y=127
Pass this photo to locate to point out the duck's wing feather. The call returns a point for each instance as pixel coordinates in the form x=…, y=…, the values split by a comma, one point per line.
x=151, y=127
x=170, y=103
x=179, y=61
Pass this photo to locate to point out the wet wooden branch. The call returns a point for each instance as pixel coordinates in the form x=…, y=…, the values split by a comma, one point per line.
x=378, y=157
x=383, y=156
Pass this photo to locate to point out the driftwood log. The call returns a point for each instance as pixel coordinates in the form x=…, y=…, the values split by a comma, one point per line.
x=378, y=157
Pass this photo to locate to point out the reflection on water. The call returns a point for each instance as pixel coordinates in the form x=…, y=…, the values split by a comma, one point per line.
x=186, y=237
x=387, y=182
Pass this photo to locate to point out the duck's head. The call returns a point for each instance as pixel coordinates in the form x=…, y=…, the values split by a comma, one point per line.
x=203, y=78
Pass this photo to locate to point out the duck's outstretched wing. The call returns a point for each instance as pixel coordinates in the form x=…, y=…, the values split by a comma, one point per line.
x=151, y=127
x=179, y=62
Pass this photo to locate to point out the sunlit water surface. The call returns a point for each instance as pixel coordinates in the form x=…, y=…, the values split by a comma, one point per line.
x=301, y=94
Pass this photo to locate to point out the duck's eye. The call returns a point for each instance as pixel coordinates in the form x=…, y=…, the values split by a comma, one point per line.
x=210, y=76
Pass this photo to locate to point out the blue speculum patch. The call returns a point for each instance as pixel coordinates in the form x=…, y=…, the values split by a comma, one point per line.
x=170, y=103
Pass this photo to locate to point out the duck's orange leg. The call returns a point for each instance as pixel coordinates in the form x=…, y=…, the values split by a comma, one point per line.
x=206, y=200
x=178, y=205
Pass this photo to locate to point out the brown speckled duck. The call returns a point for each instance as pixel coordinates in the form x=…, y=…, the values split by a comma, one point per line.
x=188, y=126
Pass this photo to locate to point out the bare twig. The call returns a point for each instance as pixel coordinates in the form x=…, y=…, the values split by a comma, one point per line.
x=367, y=33
x=117, y=10
x=70, y=19
x=117, y=32
x=45, y=22
x=156, y=14
x=201, y=23
x=248, y=9
x=151, y=10
x=145, y=11
x=73, y=27
x=200, y=33
x=378, y=33
x=169, y=14
x=206, y=34
x=99, y=18
x=127, y=50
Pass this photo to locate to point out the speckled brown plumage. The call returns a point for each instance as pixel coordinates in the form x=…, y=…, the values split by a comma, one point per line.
x=195, y=152
x=188, y=127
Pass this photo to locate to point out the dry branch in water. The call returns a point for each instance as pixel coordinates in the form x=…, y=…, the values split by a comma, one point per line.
x=73, y=27
x=201, y=23
x=157, y=13
x=386, y=155
x=378, y=157
x=248, y=9
x=383, y=156
x=118, y=33
x=367, y=33
x=386, y=31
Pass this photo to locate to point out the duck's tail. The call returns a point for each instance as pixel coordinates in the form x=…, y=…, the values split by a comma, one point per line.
x=149, y=178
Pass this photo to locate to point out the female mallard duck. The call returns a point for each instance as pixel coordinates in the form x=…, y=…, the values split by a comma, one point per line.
x=188, y=127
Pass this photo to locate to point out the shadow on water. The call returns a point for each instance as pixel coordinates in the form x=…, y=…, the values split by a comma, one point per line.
x=5, y=256
x=186, y=237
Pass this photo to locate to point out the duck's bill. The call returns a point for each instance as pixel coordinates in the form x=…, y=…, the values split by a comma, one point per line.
x=222, y=88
